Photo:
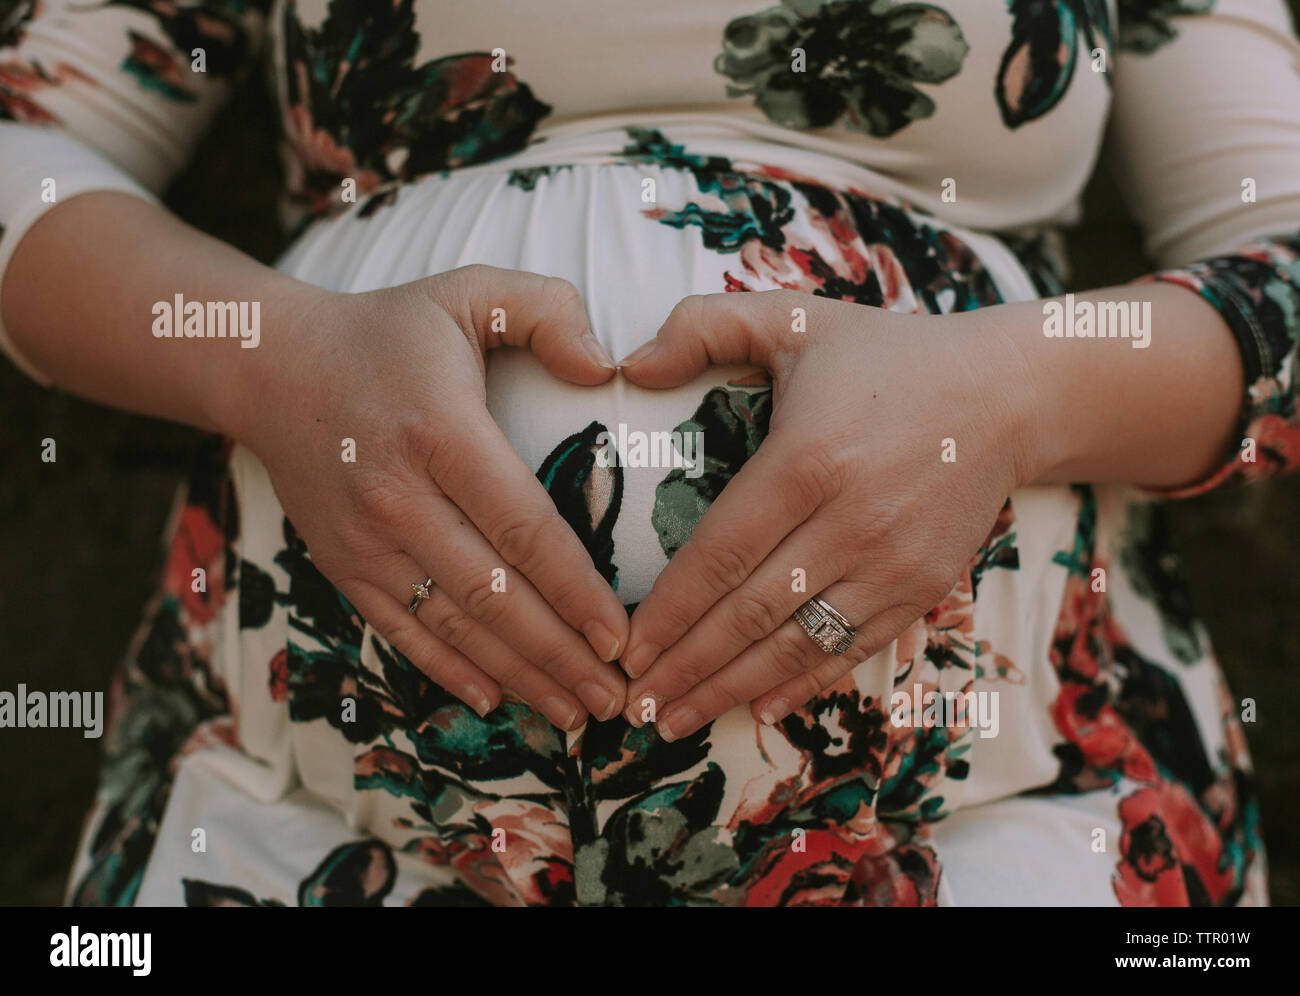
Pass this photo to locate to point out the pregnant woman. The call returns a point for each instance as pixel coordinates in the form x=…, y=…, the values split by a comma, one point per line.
x=437, y=626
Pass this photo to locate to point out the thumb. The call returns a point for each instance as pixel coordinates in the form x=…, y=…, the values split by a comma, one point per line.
x=706, y=330
x=543, y=314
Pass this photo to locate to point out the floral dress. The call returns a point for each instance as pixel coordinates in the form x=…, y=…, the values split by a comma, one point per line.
x=268, y=746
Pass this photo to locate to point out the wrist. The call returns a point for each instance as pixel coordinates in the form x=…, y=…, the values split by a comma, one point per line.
x=1017, y=390
x=237, y=394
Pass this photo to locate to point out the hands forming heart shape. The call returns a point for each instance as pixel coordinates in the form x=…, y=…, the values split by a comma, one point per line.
x=848, y=497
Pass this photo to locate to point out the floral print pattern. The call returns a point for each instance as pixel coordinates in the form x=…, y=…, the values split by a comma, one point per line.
x=887, y=257
x=169, y=700
x=863, y=61
x=1039, y=64
x=614, y=815
x=668, y=839
x=223, y=29
x=359, y=874
x=1257, y=291
x=1189, y=827
x=214, y=27
x=14, y=16
x=357, y=106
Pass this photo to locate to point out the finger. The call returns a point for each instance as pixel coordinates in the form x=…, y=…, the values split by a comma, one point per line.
x=744, y=616
x=543, y=314
x=469, y=570
x=774, y=705
x=516, y=515
x=443, y=664
x=501, y=662
x=706, y=330
x=449, y=623
x=786, y=657
x=728, y=544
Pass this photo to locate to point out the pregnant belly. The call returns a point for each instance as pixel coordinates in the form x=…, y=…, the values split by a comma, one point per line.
x=633, y=470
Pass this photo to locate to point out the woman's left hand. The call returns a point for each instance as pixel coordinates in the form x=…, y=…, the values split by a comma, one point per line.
x=894, y=442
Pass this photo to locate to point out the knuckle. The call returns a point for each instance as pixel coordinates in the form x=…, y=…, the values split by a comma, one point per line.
x=456, y=288
x=432, y=658
x=820, y=470
x=729, y=567
x=472, y=273
x=724, y=691
x=689, y=312
x=557, y=295
x=877, y=525
x=687, y=672
x=754, y=617
x=555, y=659
x=379, y=499
x=435, y=664
x=454, y=626
x=570, y=596
x=449, y=288
x=417, y=444
x=509, y=672
x=440, y=452
x=482, y=603
x=790, y=653
x=659, y=619
x=519, y=540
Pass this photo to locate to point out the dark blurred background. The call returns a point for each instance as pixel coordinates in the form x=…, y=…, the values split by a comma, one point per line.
x=81, y=547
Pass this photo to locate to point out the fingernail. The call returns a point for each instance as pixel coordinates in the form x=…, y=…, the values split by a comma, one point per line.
x=640, y=353
x=637, y=707
x=559, y=711
x=776, y=711
x=600, y=700
x=638, y=663
x=602, y=641
x=596, y=351
x=679, y=723
x=478, y=700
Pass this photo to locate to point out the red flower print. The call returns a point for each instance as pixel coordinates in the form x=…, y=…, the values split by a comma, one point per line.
x=1169, y=843
x=538, y=849
x=198, y=543
x=279, y=682
x=814, y=876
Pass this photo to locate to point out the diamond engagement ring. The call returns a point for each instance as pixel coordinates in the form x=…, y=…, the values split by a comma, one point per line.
x=421, y=594
x=828, y=629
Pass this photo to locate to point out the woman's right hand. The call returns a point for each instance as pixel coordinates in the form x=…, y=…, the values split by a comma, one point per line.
x=436, y=490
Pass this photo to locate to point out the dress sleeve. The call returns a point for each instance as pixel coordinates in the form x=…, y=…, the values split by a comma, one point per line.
x=108, y=96
x=1205, y=147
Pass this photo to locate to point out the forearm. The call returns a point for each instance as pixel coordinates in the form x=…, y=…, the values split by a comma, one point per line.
x=79, y=296
x=1111, y=410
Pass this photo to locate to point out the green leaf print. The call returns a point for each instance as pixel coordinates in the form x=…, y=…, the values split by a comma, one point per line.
x=733, y=422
